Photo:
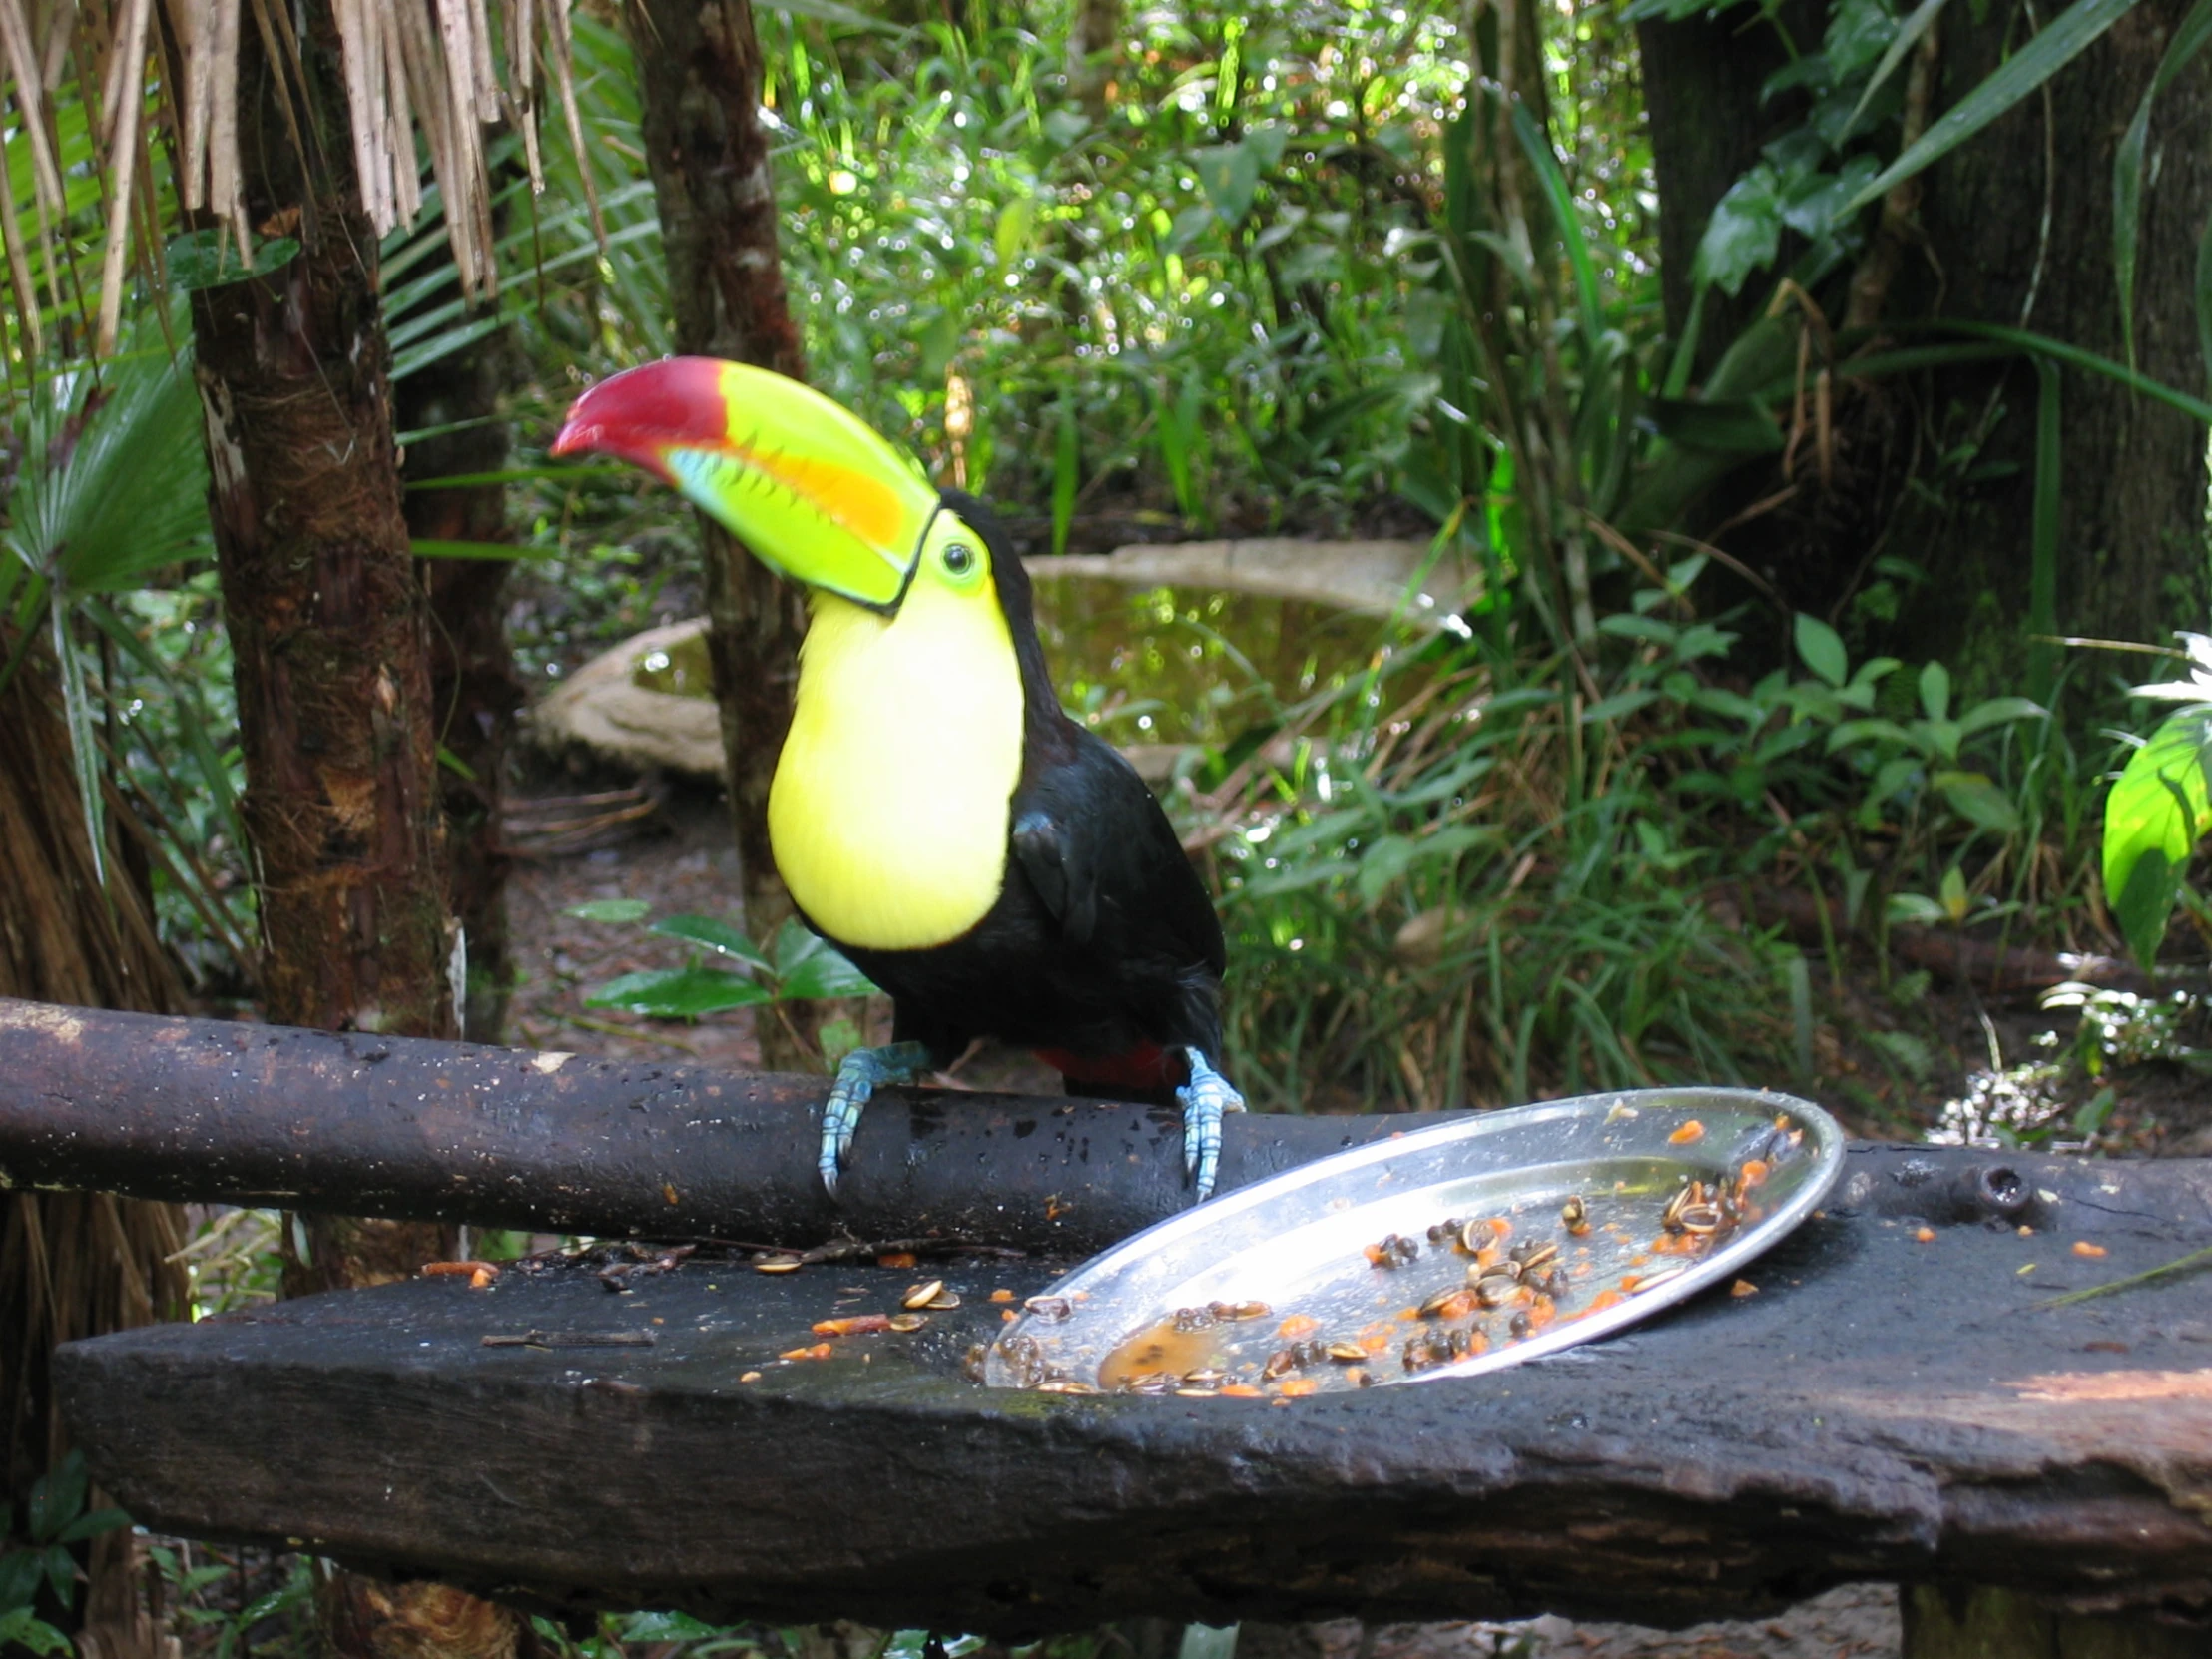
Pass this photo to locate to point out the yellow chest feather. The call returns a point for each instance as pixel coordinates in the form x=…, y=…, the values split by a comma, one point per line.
x=889, y=813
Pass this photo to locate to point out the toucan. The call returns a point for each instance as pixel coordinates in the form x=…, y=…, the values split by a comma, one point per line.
x=996, y=867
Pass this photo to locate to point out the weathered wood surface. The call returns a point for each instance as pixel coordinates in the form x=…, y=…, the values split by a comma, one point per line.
x=1883, y=1408
x=217, y=1111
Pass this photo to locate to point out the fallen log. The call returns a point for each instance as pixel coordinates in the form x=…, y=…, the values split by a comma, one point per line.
x=216, y=1111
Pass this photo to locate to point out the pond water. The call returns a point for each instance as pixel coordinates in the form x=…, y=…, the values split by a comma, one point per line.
x=1158, y=666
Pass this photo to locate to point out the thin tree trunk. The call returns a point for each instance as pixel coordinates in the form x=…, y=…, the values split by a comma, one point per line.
x=699, y=72
x=474, y=690
x=335, y=714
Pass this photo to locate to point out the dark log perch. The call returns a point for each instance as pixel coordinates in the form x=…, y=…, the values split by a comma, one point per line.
x=216, y=1111
x=1883, y=1407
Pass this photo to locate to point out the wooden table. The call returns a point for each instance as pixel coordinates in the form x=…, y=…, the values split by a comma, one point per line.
x=1885, y=1406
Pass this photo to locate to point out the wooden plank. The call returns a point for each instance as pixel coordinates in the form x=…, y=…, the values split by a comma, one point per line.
x=216, y=1111
x=1883, y=1408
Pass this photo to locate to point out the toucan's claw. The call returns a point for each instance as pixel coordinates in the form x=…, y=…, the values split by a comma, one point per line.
x=859, y=1075
x=1206, y=1097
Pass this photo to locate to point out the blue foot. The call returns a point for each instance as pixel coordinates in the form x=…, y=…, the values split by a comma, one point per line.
x=862, y=1073
x=1205, y=1098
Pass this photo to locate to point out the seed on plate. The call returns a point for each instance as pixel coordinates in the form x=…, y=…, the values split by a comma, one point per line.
x=1193, y=1319
x=1460, y=1341
x=1152, y=1382
x=1065, y=1386
x=1347, y=1354
x=904, y=1323
x=1207, y=1377
x=944, y=1302
x=1575, y=1216
x=919, y=1296
x=1198, y=1393
x=1242, y=1310
x=1651, y=1281
x=1448, y=1304
x=778, y=1263
x=1282, y=1362
x=1542, y=1255
x=1699, y=1219
x=1051, y=1309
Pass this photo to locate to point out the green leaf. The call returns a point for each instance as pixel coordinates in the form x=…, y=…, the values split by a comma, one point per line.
x=20, y=1572
x=1914, y=910
x=716, y=935
x=2153, y=819
x=208, y=259
x=676, y=994
x=1935, y=691
x=2127, y=165
x=1538, y=146
x=1953, y=893
x=610, y=909
x=92, y=1525
x=22, y=1627
x=1230, y=176
x=1743, y=232
x=1978, y=801
x=1996, y=711
x=1729, y=426
x=1850, y=733
x=809, y=968
x=1908, y=36
x=1822, y=647
x=2070, y=34
x=1010, y=237
x=56, y=1498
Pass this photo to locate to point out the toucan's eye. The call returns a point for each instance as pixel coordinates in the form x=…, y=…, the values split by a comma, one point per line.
x=959, y=558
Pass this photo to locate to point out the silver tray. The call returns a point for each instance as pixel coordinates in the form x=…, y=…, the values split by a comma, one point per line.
x=1179, y=1298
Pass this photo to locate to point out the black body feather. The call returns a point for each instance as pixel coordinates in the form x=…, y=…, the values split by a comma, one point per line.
x=1103, y=942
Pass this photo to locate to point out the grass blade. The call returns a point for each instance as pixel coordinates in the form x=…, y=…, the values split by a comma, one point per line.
x=2076, y=30
x=1908, y=36
x=1538, y=149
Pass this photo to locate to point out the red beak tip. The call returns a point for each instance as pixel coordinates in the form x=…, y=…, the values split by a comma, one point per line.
x=575, y=439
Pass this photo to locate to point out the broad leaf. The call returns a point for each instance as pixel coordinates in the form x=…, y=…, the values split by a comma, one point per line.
x=1731, y=425
x=716, y=935
x=1935, y=691
x=1978, y=801
x=677, y=993
x=2152, y=820
x=1743, y=232
x=811, y=968
x=1822, y=647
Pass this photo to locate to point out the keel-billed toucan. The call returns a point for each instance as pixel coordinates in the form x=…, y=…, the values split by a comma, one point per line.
x=995, y=867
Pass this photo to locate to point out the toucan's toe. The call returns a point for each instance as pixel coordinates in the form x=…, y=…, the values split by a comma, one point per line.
x=860, y=1074
x=1206, y=1098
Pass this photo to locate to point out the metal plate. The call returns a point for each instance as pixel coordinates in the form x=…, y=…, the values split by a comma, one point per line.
x=1303, y=1244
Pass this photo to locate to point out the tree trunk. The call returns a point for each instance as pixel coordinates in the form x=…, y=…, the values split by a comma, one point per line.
x=474, y=690
x=699, y=72
x=335, y=714
x=2131, y=538
x=1094, y=41
x=72, y=1263
x=1942, y=471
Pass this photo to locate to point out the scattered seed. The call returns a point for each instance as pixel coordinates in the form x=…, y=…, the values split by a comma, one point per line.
x=908, y=1322
x=1347, y=1354
x=1065, y=1386
x=1051, y=1309
x=749, y=1377
x=920, y=1296
x=778, y=1263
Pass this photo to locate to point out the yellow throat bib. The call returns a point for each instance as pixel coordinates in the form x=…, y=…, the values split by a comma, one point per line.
x=888, y=814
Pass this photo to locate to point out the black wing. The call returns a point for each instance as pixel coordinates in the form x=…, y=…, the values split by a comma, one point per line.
x=1105, y=862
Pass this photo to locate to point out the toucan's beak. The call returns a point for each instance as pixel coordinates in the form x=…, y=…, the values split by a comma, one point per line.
x=800, y=481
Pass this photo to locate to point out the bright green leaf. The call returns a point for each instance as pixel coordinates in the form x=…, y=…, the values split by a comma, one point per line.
x=677, y=993
x=716, y=935
x=2153, y=819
